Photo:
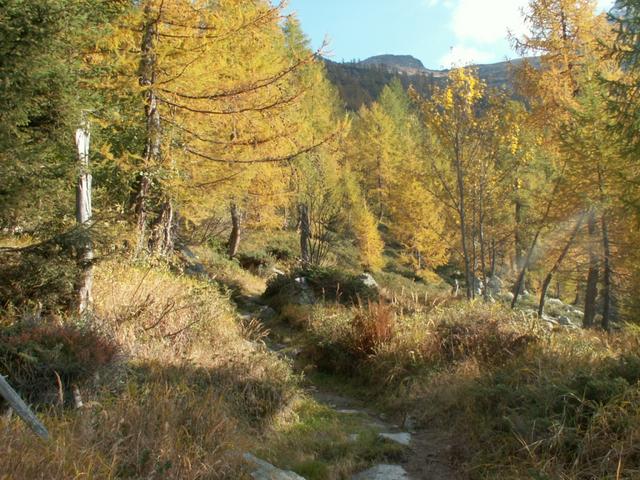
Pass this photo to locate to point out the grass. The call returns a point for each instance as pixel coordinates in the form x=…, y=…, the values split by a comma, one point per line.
x=186, y=394
x=551, y=403
x=320, y=443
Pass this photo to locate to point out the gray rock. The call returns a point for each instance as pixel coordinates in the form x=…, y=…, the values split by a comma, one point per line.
x=266, y=313
x=402, y=438
x=564, y=321
x=549, y=319
x=383, y=472
x=350, y=411
x=495, y=285
x=265, y=471
x=555, y=301
x=368, y=280
x=507, y=296
x=409, y=423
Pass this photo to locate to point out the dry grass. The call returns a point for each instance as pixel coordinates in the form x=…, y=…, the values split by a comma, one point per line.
x=187, y=394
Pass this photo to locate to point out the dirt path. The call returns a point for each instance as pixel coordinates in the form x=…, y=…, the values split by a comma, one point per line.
x=428, y=451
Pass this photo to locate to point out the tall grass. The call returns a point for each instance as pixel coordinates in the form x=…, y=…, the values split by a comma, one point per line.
x=186, y=394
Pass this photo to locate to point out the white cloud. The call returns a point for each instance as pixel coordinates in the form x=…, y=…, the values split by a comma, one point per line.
x=482, y=26
x=487, y=21
x=460, y=56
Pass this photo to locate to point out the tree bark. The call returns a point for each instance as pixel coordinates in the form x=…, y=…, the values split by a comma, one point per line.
x=517, y=234
x=162, y=238
x=556, y=266
x=463, y=219
x=606, y=278
x=84, y=282
x=234, y=237
x=21, y=408
x=305, y=234
x=152, y=151
x=591, y=293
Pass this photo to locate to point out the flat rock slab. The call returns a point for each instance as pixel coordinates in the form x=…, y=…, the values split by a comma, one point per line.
x=265, y=471
x=402, y=438
x=383, y=472
x=351, y=411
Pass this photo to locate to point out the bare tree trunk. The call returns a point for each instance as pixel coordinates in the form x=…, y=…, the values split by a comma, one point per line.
x=152, y=150
x=517, y=234
x=84, y=282
x=556, y=266
x=162, y=238
x=463, y=219
x=234, y=237
x=591, y=293
x=305, y=234
x=21, y=408
x=606, y=280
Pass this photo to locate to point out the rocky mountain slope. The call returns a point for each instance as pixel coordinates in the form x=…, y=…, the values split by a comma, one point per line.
x=360, y=82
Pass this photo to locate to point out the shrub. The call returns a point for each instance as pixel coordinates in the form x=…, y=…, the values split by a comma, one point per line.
x=372, y=326
x=33, y=357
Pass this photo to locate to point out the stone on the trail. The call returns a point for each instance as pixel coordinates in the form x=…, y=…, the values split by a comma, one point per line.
x=265, y=471
x=368, y=280
x=279, y=273
x=383, y=472
x=403, y=438
x=349, y=411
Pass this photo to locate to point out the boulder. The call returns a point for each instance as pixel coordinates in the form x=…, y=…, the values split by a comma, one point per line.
x=402, y=438
x=383, y=472
x=495, y=285
x=566, y=321
x=262, y=470
x=368, y=280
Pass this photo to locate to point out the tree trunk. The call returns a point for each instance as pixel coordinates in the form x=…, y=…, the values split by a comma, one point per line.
x=606, y=280
x=162, y=241
x=84, y=282
x=234, y=237
x=21, y=408
x=463, y=220
x=556, y=266
x=591, y=293
x=517, y=235
x=305, y=234
x=152, y=150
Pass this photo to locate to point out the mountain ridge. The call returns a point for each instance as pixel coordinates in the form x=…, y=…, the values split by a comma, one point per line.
x=361, y=81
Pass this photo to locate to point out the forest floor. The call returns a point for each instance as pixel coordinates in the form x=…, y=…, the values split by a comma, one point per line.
x=414, y=453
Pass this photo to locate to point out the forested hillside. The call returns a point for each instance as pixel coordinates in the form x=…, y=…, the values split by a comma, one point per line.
x=222, y=256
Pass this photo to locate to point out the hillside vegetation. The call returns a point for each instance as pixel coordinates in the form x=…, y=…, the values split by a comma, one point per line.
x=210, y=268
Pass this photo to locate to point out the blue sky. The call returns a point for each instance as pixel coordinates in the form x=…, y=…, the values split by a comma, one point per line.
x=438, y=32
